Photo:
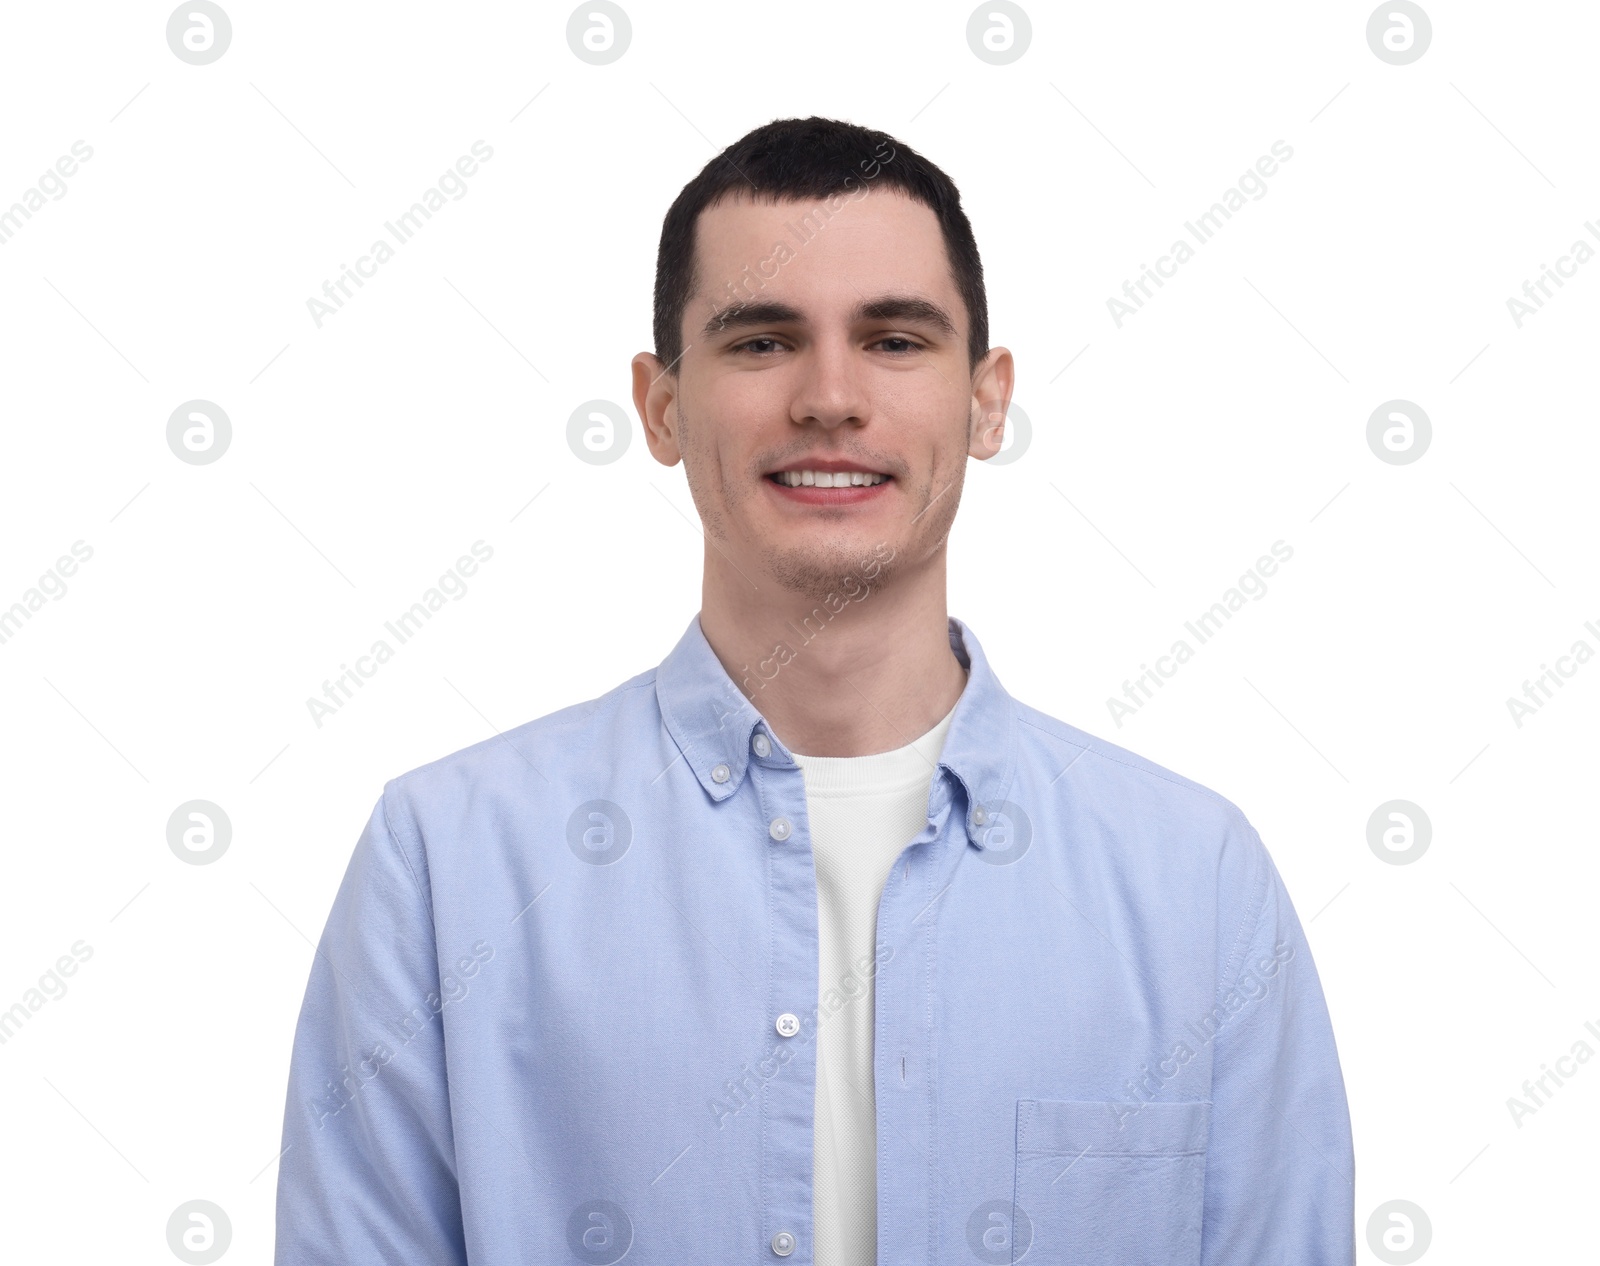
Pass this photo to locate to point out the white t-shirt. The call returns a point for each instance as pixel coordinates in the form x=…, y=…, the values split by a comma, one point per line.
x=864, y=810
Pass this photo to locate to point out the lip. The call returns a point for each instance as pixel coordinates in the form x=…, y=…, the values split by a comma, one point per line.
x=833, y=465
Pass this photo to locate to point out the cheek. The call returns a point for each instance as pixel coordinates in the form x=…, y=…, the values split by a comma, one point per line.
x=717, y=468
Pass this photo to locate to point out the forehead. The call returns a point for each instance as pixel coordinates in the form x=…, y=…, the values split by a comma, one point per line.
x=827, y=251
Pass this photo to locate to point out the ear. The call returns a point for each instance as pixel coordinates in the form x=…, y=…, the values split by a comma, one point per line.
x=991, y=395
x=655, y=396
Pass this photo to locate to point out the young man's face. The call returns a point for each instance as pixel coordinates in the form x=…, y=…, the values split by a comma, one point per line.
x=842, y=358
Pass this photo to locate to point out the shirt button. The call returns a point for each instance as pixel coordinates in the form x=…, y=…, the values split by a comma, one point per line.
x=788, y=1024
x=783, y=1243
x=762, y=745
x=720, y=774
x=780, y=828
x=980, y=816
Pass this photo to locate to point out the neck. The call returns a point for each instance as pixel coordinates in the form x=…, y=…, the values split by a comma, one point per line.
x=870, y=676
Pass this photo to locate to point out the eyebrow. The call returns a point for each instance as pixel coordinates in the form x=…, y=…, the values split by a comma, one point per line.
x=889, y=307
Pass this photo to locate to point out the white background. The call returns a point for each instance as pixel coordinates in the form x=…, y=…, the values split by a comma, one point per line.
x=369, y=454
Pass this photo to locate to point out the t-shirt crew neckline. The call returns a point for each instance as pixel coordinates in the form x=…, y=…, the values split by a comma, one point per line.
x=878, y=773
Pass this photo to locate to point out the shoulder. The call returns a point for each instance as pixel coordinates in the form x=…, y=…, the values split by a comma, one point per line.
x=1112, y=769
x=529, y=759
x=1141, y=824
x=1133, y=803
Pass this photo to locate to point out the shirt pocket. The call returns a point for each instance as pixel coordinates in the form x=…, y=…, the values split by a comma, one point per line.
x=1093, y=1189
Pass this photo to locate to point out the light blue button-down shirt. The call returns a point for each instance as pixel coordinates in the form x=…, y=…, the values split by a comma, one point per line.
x=565, y=1005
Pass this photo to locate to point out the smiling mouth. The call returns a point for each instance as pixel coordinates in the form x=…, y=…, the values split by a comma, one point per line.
x=825, y=479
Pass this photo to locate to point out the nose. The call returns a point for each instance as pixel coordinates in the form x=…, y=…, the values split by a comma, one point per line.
x=830, y=393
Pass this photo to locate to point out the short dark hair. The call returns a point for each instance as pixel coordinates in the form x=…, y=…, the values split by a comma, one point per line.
x=808, y=160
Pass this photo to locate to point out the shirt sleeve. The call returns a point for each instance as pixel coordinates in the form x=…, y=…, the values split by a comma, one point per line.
x=367, y=1175
x=1280, y=1169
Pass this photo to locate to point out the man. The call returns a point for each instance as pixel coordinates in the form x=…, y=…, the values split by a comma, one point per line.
x=813, y=942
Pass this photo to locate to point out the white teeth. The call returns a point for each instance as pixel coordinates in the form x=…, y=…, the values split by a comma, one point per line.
x=823, y=479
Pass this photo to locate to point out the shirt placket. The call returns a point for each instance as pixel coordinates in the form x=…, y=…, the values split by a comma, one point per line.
x=788, y=1097
x=903, y=1052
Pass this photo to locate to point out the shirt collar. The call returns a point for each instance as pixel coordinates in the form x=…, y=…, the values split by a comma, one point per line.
x=714, y=725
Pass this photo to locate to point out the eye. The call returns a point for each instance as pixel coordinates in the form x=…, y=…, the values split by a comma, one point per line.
x=910, y=345
x=739, y=347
